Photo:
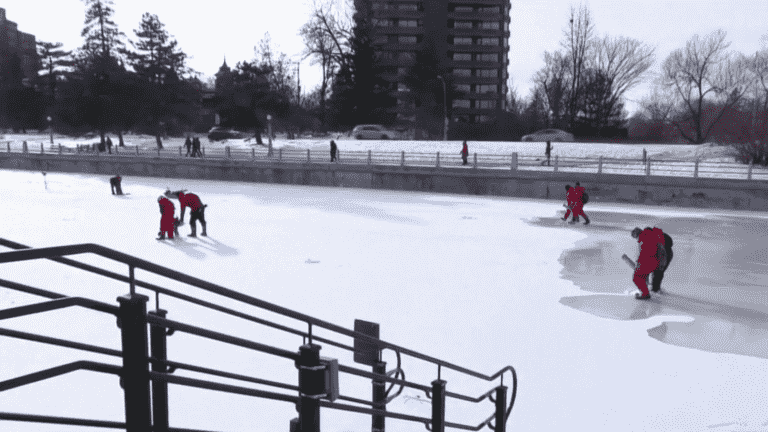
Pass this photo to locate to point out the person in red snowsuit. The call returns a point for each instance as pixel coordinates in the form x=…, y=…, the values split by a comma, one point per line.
x=167, y=220
x=464, y=153
x=573, y=196
x=197, y=212
x=648, y=260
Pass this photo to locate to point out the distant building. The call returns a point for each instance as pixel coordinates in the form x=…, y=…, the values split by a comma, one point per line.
x=472, y=39
x=22, y=44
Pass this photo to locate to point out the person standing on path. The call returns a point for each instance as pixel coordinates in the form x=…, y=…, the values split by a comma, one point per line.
x=548, y=151
x=188, y=145
x=109, y=145
x=464, y=152
x=334, y=149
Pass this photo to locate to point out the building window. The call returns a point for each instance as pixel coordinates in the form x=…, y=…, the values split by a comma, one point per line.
x=462, y=24
x=381, y=39
x=488, y=88
x=464, y=9
x=460, y=103
x=486, y=104
x=402, y=87
x=483, y=118
x=407, y=23
x=402, y=71
x=407, y=7
x=488, y=73
x=506, y=42
x=406, y=55
x=490, y=9
x=489, y=41
x=489, y=25
x=406, y=39
x=494, y=57
x=382, y=55
x=462, y=88
x=462, y=41
x=462, y=57
x=462, y=72
x=382, y=22
x=378, y=5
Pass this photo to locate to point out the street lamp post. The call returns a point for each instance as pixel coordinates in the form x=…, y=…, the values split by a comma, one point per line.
x=50, y=127
x=445, y=109
x=269, y=134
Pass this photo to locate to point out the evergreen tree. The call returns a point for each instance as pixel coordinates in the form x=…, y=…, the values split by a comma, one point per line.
x=54, y=61
x=102, y=37
x=428, y=95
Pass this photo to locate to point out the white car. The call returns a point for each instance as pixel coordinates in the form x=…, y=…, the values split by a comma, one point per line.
x=549, y=135
x=373, y=132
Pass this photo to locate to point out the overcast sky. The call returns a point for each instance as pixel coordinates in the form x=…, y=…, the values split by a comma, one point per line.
x=207, y=31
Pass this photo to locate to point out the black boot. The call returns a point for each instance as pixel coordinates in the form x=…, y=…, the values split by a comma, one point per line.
x=642, y=297
x=161, y=236
x=204, y=233
x=586, y=220
x=194, y=231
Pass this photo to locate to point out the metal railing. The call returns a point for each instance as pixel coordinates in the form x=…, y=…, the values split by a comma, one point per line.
x=318, y=376
x=601, y=165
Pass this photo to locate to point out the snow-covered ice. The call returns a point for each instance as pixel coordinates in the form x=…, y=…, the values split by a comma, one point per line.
x=482, y=282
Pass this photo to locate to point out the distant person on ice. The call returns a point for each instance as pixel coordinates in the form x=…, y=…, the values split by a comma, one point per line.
x=664, y=255
x=573, y=197
x=114, y=182
x=167, y=210
x=197, y=212
x=464, y=152
x=334, y=149
x=648, y=260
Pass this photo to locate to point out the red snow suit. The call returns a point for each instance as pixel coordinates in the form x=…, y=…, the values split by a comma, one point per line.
x=189, y=200
x=648, y=260
x=573, y=197
x=167, y=210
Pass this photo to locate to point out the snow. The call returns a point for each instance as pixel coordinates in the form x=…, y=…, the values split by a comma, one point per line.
x=481, y=282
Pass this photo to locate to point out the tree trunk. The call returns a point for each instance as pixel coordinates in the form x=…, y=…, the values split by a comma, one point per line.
x=120, y=138
x=258, y=137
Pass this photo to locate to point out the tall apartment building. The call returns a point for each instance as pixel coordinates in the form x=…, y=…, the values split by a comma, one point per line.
x=20, y=43
x=472, y=39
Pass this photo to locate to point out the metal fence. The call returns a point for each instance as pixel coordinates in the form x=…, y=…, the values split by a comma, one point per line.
x=602, y=165
x=146, y=390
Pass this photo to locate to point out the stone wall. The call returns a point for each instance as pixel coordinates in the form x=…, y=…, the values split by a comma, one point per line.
x=616, y=188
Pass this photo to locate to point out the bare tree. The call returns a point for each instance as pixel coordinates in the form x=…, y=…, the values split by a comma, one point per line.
x=552, y=80
x=707, y=81
x=319, y=45
x=579, y=40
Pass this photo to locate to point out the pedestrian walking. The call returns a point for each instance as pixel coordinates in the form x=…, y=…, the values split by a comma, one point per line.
x=464, y=152
x=196, y=147
x=114, y=183
x=548, y=151
x=167, y=219
x=334, y=149
x=197, y=212
x=647, y=260
x=574, y=203
x=109, y=145
x=188, y=145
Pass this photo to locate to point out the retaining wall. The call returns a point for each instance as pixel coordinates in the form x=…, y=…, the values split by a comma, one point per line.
x=618, y=188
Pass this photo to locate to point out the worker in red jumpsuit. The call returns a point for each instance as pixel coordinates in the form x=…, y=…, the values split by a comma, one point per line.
x=197, y=212
x=648, y=260
x=573, y=197
x=464, y=153
x=167, y=220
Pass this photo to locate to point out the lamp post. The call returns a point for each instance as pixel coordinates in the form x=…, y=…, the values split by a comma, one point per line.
x=445, y=109
x=269, y=134
x=50, y=127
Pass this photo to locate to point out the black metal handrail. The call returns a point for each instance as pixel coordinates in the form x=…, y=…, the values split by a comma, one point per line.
x=59, y=301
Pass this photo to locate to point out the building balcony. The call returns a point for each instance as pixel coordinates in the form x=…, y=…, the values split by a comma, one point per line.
x=465, y=32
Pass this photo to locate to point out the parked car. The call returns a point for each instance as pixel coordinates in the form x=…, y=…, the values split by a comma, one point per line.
x=373, y=132
x=549, y=135
x=220, y=133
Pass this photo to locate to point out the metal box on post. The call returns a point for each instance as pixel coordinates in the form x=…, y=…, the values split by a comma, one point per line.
x=366, y=352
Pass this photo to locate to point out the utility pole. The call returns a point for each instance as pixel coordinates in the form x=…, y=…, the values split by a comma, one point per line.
x=298, y=82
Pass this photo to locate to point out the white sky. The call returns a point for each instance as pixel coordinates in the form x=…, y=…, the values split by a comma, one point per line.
x=465, y=279
x=210, y=30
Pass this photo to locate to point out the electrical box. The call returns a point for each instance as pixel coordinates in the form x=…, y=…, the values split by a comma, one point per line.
x=331, y=377
x=366, y=352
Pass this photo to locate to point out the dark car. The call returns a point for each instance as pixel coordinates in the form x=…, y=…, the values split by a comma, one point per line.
x=219, y=133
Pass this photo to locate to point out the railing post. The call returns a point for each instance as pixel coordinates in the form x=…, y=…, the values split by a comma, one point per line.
x=180, y=147
x=369, y=157
x=42, y=148
x=253, y=154
x=202, y=151
x=280, y=154
x=227, y=153
x=137, y=150
x=696, y=169
x=600, y=165
x=437, y=164
x=379, y=397
x=9, y=146
x=501, y=401
x=59, y=148
x=402, y=158
x=645, y=154
x=135, y=376
x=158, y=151
x=648, y=167
x=514, y=162
x=749, y=171
x=24, y=147
x=311, y=387
x=475, y=161
x=308, y=159
x=159, y=350
x=556, y=163
x=438, y=406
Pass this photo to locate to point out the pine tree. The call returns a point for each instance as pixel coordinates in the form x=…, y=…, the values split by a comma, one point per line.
x=54, y=60
x=100, y=32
